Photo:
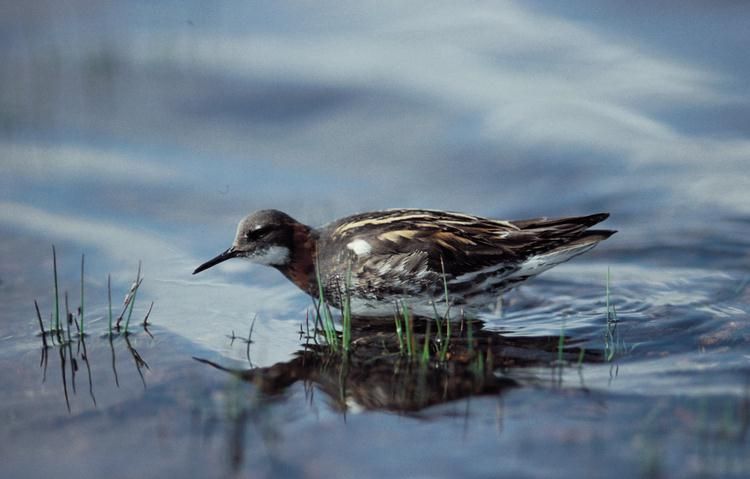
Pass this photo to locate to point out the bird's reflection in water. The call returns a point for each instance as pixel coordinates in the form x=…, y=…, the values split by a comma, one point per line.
x=378, y=374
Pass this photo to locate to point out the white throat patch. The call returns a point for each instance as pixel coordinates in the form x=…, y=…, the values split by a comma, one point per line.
x=273, y=255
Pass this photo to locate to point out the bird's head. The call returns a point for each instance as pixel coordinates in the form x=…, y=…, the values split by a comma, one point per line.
x=264, y=237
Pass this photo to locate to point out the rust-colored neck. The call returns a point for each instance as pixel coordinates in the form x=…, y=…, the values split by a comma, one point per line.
x=301, y=269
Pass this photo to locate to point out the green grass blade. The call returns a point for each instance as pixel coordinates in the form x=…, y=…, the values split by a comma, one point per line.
x=57, y=291
x=346, y=334
x=438, y=321
x=326, y=316
x=607, y=293
x=132, y=299
x=399, y=332
x=447, y=338
x=409, y=325
x=611, y=335
x=445, y=289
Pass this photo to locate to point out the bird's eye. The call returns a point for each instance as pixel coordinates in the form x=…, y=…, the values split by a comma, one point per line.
x=258, y=233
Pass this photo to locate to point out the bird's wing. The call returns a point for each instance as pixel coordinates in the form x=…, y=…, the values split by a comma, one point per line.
x=450, y=242
x=458, y=243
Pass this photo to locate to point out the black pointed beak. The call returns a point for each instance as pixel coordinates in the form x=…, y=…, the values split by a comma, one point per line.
x=228, y=254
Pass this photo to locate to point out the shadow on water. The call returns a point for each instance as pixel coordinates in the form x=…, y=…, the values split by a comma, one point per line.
x=376, y=374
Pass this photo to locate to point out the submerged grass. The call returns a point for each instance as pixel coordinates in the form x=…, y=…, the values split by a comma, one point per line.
x=442, y=346
x=409, y=326
x=323, y=313
x=426, y=347
x=611, y=337
x=57, y=290
x=445, y=342
x=614, y=343
x=403, y=321
x=477, y=365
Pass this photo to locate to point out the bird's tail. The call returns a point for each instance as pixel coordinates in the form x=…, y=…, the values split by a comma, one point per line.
x=568, y=237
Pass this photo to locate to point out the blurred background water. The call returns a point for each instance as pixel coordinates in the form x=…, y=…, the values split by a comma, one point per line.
x=144, y=131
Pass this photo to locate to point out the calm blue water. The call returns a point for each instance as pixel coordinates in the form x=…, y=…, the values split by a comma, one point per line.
x=139, y=131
